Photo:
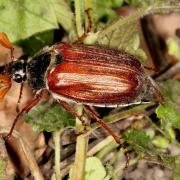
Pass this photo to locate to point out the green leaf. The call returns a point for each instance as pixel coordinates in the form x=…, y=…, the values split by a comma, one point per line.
x=142, y=144
x=104, y=11
x=121, y=37
x=94, y=169
x=160, y=142
x=139, y=140
x=116, y=3
x=124, y=37
x=169, y=112
x=49, y=118
x=129, y=42
x=170, y=90
x=21, y=19
x=35, y=43
x=65, y=17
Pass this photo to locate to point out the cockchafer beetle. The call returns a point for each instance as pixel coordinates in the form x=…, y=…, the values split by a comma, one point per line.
x=84, y=74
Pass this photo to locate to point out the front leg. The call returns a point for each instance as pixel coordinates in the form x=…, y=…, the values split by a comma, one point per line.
x=27, y=108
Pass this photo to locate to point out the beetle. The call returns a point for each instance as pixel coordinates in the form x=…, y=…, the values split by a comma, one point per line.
x=84, y=74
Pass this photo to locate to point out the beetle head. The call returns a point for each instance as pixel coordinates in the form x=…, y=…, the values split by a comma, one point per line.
x=17, y=70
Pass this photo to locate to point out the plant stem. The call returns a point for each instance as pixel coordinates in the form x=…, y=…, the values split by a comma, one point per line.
x=80, y=157
x=78, y=15
x=81, y=150
x=163, y=8
x=112, y=145
x=121, y=22
x=159, y=8
x=101, y=145
x=123, y=114
x=57, y=167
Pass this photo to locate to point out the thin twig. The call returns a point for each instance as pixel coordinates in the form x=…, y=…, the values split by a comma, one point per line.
x=56, y=138
x=33, y=166
x=137, y=15
x=174, y=70
x=100, y=145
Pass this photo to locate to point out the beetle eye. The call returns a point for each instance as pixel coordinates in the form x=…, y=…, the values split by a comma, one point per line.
x=18, y=78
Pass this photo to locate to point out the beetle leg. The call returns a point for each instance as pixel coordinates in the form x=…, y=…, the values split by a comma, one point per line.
x=71, y=110
x=25, y=110
x=94, y=111
x=101, y=122
x=4, y=41
x=89, y=28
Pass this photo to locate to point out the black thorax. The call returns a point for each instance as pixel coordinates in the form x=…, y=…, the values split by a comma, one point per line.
x=37, y=67
x=34, y=69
